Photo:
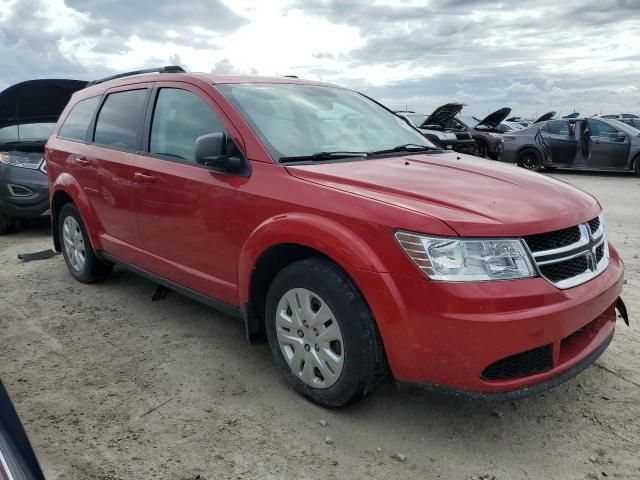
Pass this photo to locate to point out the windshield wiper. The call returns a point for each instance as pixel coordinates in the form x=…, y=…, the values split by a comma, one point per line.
x=407, y=147
x=323, y=156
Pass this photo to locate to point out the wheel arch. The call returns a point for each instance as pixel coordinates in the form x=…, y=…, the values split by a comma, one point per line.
x=67, y=190
x=282, y=241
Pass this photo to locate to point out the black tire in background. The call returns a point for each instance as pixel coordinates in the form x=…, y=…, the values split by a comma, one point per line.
x=364, y=364
x=482, y=149
x=530, y=159
x=93, y=269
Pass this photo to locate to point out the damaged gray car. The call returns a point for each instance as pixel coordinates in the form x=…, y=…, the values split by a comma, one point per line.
x=577, y=143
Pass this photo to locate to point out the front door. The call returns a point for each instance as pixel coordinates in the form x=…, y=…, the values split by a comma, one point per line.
x=608, y=146
x=560, y=141
x=186, y=210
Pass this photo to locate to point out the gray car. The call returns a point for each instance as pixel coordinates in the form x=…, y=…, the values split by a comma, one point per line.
x=28, y=113
x=576, y=143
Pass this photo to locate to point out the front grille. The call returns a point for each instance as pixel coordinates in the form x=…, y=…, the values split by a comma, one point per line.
x=551, y=240
x=557, y=272
x=570, y=256
x=523, y=364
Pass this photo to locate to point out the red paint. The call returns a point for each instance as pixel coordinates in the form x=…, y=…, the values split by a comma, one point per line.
x=206, y=231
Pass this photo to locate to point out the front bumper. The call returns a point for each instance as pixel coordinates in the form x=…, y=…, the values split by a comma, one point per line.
x=32, y=202
x=447, y=334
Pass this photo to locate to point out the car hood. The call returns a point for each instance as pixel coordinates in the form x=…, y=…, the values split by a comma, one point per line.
x=475, y=197
x=493, y=119
x=545, y=117
x=36, y=101
x=443, y=114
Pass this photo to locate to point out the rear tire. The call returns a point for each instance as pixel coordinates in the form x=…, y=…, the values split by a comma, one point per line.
x=76, y=248
x=482, y=149
x=322, y=335
x=530, y=159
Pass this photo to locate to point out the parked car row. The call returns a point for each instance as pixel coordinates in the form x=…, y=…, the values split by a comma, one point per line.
x=603, y=142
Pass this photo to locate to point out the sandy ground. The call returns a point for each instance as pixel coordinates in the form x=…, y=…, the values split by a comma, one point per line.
x=113, y=386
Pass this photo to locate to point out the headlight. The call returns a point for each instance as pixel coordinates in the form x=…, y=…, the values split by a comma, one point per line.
x=22, y=161
x=460, y=260
x=492, y=134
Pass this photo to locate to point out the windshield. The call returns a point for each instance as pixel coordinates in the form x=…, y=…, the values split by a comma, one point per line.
x=296, y=120
x=28, y=132
x=626, y=128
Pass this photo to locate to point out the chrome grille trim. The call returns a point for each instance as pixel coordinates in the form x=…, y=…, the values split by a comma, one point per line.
x=586, y=246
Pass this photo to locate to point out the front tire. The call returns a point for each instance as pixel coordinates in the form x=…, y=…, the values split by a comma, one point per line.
x=530, y=159
x=322, y=334
x=482, y=149
x=77, y=251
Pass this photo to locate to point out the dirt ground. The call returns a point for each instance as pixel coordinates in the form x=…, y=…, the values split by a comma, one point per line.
x=112, y=385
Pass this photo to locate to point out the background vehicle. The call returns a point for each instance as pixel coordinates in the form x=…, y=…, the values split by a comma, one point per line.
x=441, y=128
x=335, y=231
x=579, y=143
x=17, y=460
x=628, y=118
x=28, y=114
x=522, y=121
x=487, y=132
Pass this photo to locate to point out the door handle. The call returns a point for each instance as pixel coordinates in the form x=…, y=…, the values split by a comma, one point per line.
x=142, y=178
x=83, y=162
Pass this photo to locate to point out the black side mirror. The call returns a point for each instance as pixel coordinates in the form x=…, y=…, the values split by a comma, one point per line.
x=217, y=151
x=211, y=149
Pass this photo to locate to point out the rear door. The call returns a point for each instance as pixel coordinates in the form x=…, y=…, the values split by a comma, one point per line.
x=609, y=147
x=560, y=141
x=186, y=210
x=117, y=139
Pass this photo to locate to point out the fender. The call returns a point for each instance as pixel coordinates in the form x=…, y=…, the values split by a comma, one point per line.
x=331, y=238
x=66, y=183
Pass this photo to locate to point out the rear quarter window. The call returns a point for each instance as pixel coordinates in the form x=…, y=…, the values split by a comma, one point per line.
x=119, y=121
x=77, y=122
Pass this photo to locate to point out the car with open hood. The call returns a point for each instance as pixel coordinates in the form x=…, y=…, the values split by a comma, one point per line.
x=28, y=114
x=443, y=130
x=336, y=232
x=576, y=143
x=487, y=132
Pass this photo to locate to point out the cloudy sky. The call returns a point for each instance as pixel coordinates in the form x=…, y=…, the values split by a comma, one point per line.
x=531, y=56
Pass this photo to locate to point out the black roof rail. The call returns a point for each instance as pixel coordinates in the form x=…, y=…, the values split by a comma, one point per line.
x=166, y=69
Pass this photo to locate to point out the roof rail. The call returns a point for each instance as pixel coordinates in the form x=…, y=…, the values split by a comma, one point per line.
x=166, y=69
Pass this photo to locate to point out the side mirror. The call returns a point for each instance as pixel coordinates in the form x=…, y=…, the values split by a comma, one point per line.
x=217, y=151
x=618, y=136
x=211, y=149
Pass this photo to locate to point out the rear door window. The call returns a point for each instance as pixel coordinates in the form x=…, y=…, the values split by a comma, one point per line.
x=77, y=122
x=559, y=127
x=119, y=122
x=179, y=118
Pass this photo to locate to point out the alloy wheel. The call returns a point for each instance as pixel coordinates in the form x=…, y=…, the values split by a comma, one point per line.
x=74, y=244
x=529, y=160
x=310, y=338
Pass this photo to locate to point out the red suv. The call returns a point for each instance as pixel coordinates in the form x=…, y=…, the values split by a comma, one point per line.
x=336, y=232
